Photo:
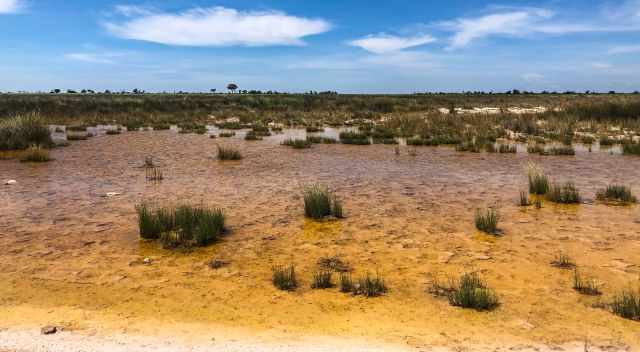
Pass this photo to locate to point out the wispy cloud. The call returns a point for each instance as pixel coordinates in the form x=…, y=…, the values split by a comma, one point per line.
x=520, y=22
x=10, y=6
x=215, y=26
x=533, y=77
x=624, y=49
x=384, y=43
x=95, y=58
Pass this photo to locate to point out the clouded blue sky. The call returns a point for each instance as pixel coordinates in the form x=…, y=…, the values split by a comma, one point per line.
x=348, y=46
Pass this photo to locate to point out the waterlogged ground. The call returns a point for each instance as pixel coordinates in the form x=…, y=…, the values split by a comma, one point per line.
x=71, y=256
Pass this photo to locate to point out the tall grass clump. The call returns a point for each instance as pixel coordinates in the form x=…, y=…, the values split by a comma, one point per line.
x=356, y=138
x=297, y=143
x=346, y=283
x=472, y=292
x=616, y=193
x=284, y=278
x=252, y=136
x=319, y=203
x=538, y=181
x=566, y=193
x=626, y=304
x=631, y=148
x=487, y=221
x=228, y=153
x=588, y=286
x=322, y=279
x=184, y=225
x=22, y=131
x=370, y=286
x=524, y=199
x=563, y=261
x=36, y=154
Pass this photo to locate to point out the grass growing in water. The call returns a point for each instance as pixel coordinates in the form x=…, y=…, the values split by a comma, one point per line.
x=284, y=278
x=319, y=203
x=538, y=181
x=472, y=292
x=487, y=221
x=524, y=199
x=370, y=286
x=587, y=286
x=631, y=148
x=297, y=143
x=227, y=134
x=184, y=225
x=626, y=304
x=228, y=153
x=252, y=136
x=563, y=261
x=616, y=193
x=354, y=138
x=322, y=279
x=36, y=154
x=564, y=193
x=22, y=131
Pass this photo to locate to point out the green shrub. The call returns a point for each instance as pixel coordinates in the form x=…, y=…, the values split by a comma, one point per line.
x=322, y=279
x=284, y=278
x=226, y=134
x=487, y=221
x=507, y=149
x=314, y=139
x=564, y=193
x=314, y=129
x=228, y=153
x=617, y=193
x=472, y=292
x=22, y=131
x=356, y=138
x=252, y=136
x=36, y=154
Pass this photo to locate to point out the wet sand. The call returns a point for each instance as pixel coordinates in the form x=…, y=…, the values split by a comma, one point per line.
x=70, y=256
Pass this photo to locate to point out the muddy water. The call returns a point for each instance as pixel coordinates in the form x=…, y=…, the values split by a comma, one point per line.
x=70, y=255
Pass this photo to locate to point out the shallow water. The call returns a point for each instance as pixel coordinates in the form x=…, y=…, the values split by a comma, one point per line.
x=67, y=252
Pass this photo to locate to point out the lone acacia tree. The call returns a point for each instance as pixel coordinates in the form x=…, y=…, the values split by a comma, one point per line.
x=232, y=87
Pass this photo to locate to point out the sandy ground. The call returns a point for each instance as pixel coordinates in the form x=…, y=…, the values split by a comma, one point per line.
x=70, y=256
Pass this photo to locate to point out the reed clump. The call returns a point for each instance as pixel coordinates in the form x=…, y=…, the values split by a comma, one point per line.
x=226, y=134
x=566, y=193
x=616, y=193
x=586, y=286
x=563, y=261
x=36, y=154
x=524, y=199
x=472, y=292
x=356, y=138
x=319, y=203
x=626, y=304
x=322, y=279
x=538, y=181
x=22, y=131
x=284, y=278
x=487, y=221
x=631, y=148
x=297, y=143
x=180, y=226
x=228, y=153
x=370, y=286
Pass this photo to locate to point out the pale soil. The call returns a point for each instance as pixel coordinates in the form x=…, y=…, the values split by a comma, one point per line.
x=70, y=256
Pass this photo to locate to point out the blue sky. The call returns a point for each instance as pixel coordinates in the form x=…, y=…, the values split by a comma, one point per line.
x=348, y=46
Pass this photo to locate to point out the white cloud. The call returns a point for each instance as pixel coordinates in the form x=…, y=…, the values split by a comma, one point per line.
x=384, y=43
x=601, y=65
x=95, y=58
x=624, y=49
x=525, y=21
x=215, y=26
x=533, y=77
x=10, y=6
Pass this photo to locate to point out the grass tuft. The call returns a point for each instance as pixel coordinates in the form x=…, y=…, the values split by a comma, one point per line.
x=319, y=203
x=563, y=261
x=626, y=304
x=472, y=292
x=297, y=143
x=228, y=153
x=538, y=181
x=36, y=154
x=284, y=278
x=370, y=286
x=487, y=221
x=22, y=131
x=588, y=286
x=564, y=193
x=616, y=193
x=322, y=279
x=524, y=199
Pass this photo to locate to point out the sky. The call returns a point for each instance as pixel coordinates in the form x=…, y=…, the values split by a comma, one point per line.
x=358, y=46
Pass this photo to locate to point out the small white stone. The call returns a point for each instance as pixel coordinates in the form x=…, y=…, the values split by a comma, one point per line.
x=147, y=260
x=112, y=194
x=11, y=182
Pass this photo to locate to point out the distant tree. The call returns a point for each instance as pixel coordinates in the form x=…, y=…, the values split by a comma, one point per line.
x=612, y=92
x=232, y=87
x=71, y=91
x=212, y=90
x=57, y=91
x=636, y=92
